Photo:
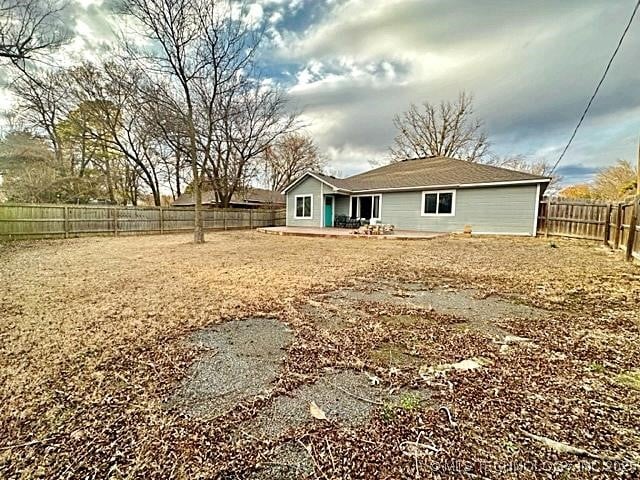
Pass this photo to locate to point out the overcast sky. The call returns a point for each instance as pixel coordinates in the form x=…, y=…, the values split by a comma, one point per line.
x=350, y=65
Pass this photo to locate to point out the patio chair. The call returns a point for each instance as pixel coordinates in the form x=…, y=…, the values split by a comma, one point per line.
x=354, y=223
x=341, y=221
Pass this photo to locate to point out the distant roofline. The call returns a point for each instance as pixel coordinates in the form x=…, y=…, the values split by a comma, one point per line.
x=186, y=199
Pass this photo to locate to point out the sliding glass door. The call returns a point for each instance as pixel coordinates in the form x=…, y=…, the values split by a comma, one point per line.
x=366, y=206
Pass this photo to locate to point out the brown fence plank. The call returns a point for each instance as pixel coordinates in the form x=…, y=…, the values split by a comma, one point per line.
x=546, y=221
x=633, y=228
x=32, y=221
x=616, y=241
x=614, y=225
x=607, y=225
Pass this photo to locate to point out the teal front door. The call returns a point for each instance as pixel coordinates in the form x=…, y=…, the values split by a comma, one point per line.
x=328, y=211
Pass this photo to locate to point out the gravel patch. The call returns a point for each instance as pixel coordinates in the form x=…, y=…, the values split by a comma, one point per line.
x=242, y=359
x=467, y=304
x=459, y=303
x=339, y=308
x=347, y=398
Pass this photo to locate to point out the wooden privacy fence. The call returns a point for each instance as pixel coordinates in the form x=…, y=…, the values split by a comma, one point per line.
x=19, y=221
x=614, y=224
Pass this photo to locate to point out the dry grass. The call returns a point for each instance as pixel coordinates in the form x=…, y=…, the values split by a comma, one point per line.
x=91, y=348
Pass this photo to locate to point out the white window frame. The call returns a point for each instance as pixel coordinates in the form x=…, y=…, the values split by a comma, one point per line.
x=379, y=195
x=437, y=214
x=295, y=207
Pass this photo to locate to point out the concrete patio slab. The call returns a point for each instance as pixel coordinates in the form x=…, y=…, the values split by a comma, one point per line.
x=348, y=233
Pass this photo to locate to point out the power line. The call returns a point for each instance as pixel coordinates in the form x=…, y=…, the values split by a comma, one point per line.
x=606, y=70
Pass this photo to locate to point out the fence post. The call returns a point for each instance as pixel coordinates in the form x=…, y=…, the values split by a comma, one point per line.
x=607, y=224
x=632, y=230
x=224, y=217
x=616, y=237
x=546, y=219
x=66, y=222
x=250, y=219
x=115, y=221
x=161, y=221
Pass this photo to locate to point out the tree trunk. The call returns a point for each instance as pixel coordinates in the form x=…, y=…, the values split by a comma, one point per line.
x=178, y=164
x=155, y=188
x=198, y=230
x=107, y=163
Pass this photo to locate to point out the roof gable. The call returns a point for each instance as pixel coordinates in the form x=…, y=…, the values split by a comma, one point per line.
x=332, y=182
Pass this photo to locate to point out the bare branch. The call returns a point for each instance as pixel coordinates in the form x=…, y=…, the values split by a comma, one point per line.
x=203, y=51
x=447, y=129
x=289, y=157
x=29, y=27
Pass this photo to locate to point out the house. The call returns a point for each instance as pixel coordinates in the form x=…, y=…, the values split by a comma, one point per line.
x=246, y=198
x=437, y=194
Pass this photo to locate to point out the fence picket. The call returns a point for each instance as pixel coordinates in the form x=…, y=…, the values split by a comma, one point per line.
x=607, y=225
x=633, y=224
x=32, y=221
x=615, y=225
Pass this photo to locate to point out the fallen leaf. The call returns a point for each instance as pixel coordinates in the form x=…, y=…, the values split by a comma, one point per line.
x=316, y=412
x=373, y=379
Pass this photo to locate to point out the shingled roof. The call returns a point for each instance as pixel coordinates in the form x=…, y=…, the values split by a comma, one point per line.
x=427, y=173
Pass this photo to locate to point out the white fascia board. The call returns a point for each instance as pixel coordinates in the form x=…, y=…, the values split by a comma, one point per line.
x=458, y=185
x=301, y=177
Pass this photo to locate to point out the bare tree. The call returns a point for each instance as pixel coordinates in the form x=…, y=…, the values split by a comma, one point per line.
x=579, y=191
x=174, y=168
x=616, y=182
x=31, y=173
x=201, y=47
x=42, y=102
x=173, y=139
x=539, y=166
x=104, y=117
x=118, y=106
x=448, y=130
x=290, y=157
x=251, y=119
x=28, y=27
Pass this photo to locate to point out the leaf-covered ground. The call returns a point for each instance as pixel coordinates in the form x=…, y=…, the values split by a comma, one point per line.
x=92, y=350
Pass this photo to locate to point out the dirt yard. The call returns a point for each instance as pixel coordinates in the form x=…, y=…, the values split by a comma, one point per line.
x=259, y=356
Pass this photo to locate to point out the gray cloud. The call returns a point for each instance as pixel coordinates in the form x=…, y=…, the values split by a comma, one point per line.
x=350, y=65
x=531, y=66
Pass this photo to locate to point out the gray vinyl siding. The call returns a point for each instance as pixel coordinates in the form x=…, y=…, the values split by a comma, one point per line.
x=342, y=205
x=506, y=210
x=308, y=186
